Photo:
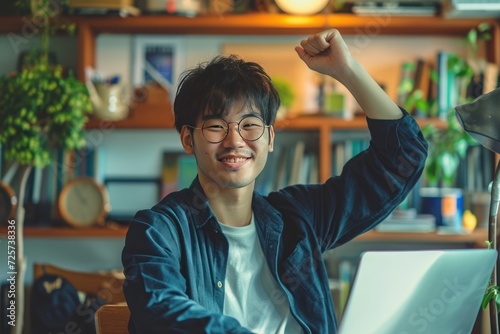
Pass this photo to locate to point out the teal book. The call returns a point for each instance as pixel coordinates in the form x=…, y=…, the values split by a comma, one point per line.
x=188, y=169
x=445, y=79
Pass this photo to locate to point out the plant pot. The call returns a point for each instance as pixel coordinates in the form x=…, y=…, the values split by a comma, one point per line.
x=446, y=204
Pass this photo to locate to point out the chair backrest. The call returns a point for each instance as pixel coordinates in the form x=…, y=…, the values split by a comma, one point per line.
x=107, y=285
x=112, y=319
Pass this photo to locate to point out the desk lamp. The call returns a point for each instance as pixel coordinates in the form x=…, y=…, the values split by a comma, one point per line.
x=481, y=120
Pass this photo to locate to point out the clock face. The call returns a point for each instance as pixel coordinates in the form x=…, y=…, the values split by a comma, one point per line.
x=83, y=202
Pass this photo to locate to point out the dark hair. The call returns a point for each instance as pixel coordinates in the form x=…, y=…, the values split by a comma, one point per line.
x=213, y=87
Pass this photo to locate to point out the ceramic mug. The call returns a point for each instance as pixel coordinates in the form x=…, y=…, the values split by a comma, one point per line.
x=446, y=204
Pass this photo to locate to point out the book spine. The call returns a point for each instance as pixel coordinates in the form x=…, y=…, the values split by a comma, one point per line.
x=442, y=85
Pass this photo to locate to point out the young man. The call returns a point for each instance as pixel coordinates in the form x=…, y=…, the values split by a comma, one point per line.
x=220, y=258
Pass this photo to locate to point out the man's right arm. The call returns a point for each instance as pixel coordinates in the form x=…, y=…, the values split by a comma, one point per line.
x=327, y=53
x=155, y=288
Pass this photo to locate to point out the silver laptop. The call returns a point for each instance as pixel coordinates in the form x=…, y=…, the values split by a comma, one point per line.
x=406, y=292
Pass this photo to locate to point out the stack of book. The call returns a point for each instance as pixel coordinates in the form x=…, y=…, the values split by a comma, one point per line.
x=408, y=222
x=122, y=7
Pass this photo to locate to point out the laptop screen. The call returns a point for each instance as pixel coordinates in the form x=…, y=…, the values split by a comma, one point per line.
x=406, y=292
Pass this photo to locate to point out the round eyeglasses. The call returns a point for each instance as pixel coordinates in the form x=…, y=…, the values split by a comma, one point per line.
x=215, y=130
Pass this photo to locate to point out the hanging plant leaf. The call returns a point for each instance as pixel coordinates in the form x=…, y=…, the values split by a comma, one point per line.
x=41, y=109
x=41, y=106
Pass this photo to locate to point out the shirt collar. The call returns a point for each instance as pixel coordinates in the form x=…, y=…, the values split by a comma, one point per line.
x=202, y=213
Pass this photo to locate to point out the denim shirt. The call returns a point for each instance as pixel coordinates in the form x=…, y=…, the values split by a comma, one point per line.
x=175, y=253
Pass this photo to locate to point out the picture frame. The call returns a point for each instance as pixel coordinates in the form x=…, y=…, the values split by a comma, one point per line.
x=128, y=195
x=157, y=58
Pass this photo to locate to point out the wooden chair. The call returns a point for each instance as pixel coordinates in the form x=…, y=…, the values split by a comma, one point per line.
x=112, y=319
x=106, y=285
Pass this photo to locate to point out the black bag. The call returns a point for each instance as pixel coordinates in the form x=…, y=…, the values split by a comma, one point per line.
x=56, y=307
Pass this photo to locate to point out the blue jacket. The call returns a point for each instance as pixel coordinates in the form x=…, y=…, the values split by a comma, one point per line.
x=175, y=253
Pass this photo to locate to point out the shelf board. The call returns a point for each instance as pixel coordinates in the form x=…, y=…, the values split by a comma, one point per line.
x=263, y=24
x=278, y=24
x=477, y=237
x=314, y=122
x=318, y=122
x=160, y=118
x=71, y=232
x=140, y=117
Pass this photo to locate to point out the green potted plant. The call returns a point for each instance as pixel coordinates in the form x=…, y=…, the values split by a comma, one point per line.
x=447, y=146
x=41, y=108
x=286, y=93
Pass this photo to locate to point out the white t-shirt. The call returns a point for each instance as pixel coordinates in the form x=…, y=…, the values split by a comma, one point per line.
x=252, y=295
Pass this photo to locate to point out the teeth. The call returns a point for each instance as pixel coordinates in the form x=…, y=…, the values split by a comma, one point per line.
x=234, y=160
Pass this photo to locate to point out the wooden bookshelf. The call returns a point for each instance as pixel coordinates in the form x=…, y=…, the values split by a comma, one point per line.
x=154, y=117
x=264, y=24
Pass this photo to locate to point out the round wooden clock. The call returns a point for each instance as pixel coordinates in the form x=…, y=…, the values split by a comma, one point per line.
x=83, y=202
x=8, y=202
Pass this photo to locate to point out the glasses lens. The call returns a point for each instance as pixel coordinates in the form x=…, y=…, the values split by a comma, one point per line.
x=251, y=128
x=214, y=130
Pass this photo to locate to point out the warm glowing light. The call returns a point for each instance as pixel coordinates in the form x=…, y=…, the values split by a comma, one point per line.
x=301, y=7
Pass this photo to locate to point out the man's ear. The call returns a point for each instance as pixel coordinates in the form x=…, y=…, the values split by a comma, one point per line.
x=271, y=139
x=187, y=140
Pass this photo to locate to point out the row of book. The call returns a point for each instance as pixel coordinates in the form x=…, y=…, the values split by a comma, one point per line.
x=476, y=170
x=44, y=184
x=296, y=161
x=429, y=88
x=292, y=163
x=178, y=171
x=345, y=145
x=341, y=282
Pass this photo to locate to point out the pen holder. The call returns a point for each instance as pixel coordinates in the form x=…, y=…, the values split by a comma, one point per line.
x=110, y=101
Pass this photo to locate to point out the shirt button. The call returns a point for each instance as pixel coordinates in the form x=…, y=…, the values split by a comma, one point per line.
x=219, y=284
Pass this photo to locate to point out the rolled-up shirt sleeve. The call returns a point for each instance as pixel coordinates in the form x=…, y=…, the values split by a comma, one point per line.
x=370, y=186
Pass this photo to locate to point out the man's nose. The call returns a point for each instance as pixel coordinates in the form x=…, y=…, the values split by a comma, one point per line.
x=233, y=135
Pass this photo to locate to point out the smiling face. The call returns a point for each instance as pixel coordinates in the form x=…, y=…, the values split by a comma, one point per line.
x=226, y=88
x=234, y=162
